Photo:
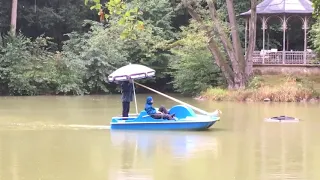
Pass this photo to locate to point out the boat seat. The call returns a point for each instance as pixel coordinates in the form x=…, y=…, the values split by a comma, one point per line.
x=143, y=114
x=146, y=117
x=182, y=111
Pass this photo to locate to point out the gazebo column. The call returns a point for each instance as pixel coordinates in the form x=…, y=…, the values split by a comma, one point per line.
x=305, y=27
x=284, y=27
x=264, y=25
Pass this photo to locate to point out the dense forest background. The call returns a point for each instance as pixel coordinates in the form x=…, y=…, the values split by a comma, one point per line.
x=61, y=47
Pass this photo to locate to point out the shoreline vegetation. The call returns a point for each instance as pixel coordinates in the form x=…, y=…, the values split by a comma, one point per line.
x=191, y=49
x=270, y=88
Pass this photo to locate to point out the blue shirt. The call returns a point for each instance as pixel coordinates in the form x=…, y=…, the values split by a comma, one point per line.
x=148, y=106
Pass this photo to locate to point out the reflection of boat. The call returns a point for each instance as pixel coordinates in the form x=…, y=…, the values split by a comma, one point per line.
x=187, y=119
x=179, y=143
x=132, y=174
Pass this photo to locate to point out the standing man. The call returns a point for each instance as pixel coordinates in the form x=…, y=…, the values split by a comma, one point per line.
x=127, y=96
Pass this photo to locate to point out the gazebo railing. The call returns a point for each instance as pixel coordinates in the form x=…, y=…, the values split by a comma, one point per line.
x=291, y=58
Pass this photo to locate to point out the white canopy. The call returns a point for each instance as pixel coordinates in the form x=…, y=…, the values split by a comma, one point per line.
x=133, y=71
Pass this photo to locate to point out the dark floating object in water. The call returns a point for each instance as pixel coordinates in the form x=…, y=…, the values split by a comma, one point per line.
x=282, y=119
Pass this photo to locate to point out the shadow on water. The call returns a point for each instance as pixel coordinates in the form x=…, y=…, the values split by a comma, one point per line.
x=217, y=130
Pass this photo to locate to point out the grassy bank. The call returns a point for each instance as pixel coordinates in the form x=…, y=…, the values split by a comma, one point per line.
x=277, y=88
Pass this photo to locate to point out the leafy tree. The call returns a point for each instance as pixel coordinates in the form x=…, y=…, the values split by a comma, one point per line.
x=147, y=45
x=53, y=18
x=315, y=29
x=126, y=16
x=192, y=66
x=315, y=36
x=5, y=16
x=98, y=52
x=25, y=68
x=316, y=7
x=240, y=68
x=151, y=45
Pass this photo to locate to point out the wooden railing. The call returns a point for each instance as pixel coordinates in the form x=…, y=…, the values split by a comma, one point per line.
x=291, y=58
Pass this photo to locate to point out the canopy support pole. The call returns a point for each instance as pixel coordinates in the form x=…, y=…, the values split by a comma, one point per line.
x=135, y=97
x=181, y=102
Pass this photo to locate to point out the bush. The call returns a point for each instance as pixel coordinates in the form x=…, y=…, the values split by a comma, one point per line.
x=94, y=55
x=315, y=35
x=289, y=91
x=193, y=67
x=25, y=67
x=28, y=68
x=215, y=94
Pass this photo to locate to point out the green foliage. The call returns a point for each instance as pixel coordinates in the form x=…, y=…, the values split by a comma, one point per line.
x=98, y=52
x=86, y=57
x=315, y=35
x=216, y=94
x=316, y=7
x=27, y=68
x=159, y=14
x=315, y=38
x=193, y=67
x=146, y=45
x=255, y=82
x=53, y=18
x=136, y=31
x=70, y=71
x=126, y=16
x=150, y=47
x=4, y=16
x=276, y=88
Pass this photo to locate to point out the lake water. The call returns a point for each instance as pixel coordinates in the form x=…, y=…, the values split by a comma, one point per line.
x=64, y=138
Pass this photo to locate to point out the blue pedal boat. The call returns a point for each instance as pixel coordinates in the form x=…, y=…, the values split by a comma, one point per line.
x=186, y=119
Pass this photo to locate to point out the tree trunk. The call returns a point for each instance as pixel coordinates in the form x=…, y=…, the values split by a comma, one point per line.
x=240, y=78
x=14, y=17
x=214, y=49
x=237, y=73
x=225, y=41
x=252, y=38
x=221, y=62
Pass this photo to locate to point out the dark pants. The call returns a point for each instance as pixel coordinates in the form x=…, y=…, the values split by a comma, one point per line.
x=125, y=109
x=165, y=114
x=163, y=110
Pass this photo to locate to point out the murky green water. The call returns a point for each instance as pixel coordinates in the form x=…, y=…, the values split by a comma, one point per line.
x=64, y=138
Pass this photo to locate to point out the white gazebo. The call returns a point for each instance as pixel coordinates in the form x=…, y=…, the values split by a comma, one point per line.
x=283, y=10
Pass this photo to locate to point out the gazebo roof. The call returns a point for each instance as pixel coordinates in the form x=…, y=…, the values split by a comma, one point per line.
x=283, y=7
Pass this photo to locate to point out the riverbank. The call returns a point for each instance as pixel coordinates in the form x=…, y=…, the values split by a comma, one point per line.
x=276, y=88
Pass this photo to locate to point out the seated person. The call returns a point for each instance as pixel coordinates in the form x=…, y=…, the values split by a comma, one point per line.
x=161, y=114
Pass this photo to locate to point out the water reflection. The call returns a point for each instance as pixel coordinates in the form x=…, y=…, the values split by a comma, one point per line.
x=283, y=151
x=129, y=175
x=142, y=150
x=178, y=144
